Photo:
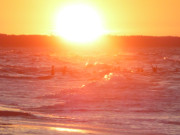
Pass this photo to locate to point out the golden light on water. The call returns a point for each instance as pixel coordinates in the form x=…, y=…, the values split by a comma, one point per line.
x=79, y=23
x=68, y=130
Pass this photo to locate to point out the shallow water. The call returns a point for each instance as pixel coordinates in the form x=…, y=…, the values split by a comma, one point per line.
x=99, y=95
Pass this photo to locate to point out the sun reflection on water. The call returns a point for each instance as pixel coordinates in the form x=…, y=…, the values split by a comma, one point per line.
x=68, y=130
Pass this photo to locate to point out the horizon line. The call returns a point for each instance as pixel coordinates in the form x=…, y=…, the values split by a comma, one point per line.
x=118, y=35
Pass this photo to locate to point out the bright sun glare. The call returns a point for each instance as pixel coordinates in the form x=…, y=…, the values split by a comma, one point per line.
x=79, y=23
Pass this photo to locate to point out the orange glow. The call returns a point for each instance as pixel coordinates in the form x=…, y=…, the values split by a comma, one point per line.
x=123, y=17
x=78, y=23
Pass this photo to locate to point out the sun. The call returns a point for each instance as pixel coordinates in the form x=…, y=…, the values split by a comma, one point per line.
x=79, y=23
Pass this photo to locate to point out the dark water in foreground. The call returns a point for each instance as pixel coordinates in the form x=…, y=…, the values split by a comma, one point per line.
x=102, y=95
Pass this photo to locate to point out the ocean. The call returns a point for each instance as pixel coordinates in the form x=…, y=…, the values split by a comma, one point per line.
x=133, y=92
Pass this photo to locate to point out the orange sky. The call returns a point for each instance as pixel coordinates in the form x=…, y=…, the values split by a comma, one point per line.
x=124, y=17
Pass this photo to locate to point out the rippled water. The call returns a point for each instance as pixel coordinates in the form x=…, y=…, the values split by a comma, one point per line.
x=104, y=94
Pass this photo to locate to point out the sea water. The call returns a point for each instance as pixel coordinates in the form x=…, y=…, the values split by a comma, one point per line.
x=133, y=92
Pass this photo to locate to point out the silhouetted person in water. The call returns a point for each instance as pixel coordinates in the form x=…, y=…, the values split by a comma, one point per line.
x=64, y=70
x=154, y=69
x=140, y=69
x=52, y=70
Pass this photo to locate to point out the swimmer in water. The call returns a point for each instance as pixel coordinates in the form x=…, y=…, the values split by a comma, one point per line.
x=52, y=70
x=64, y=70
